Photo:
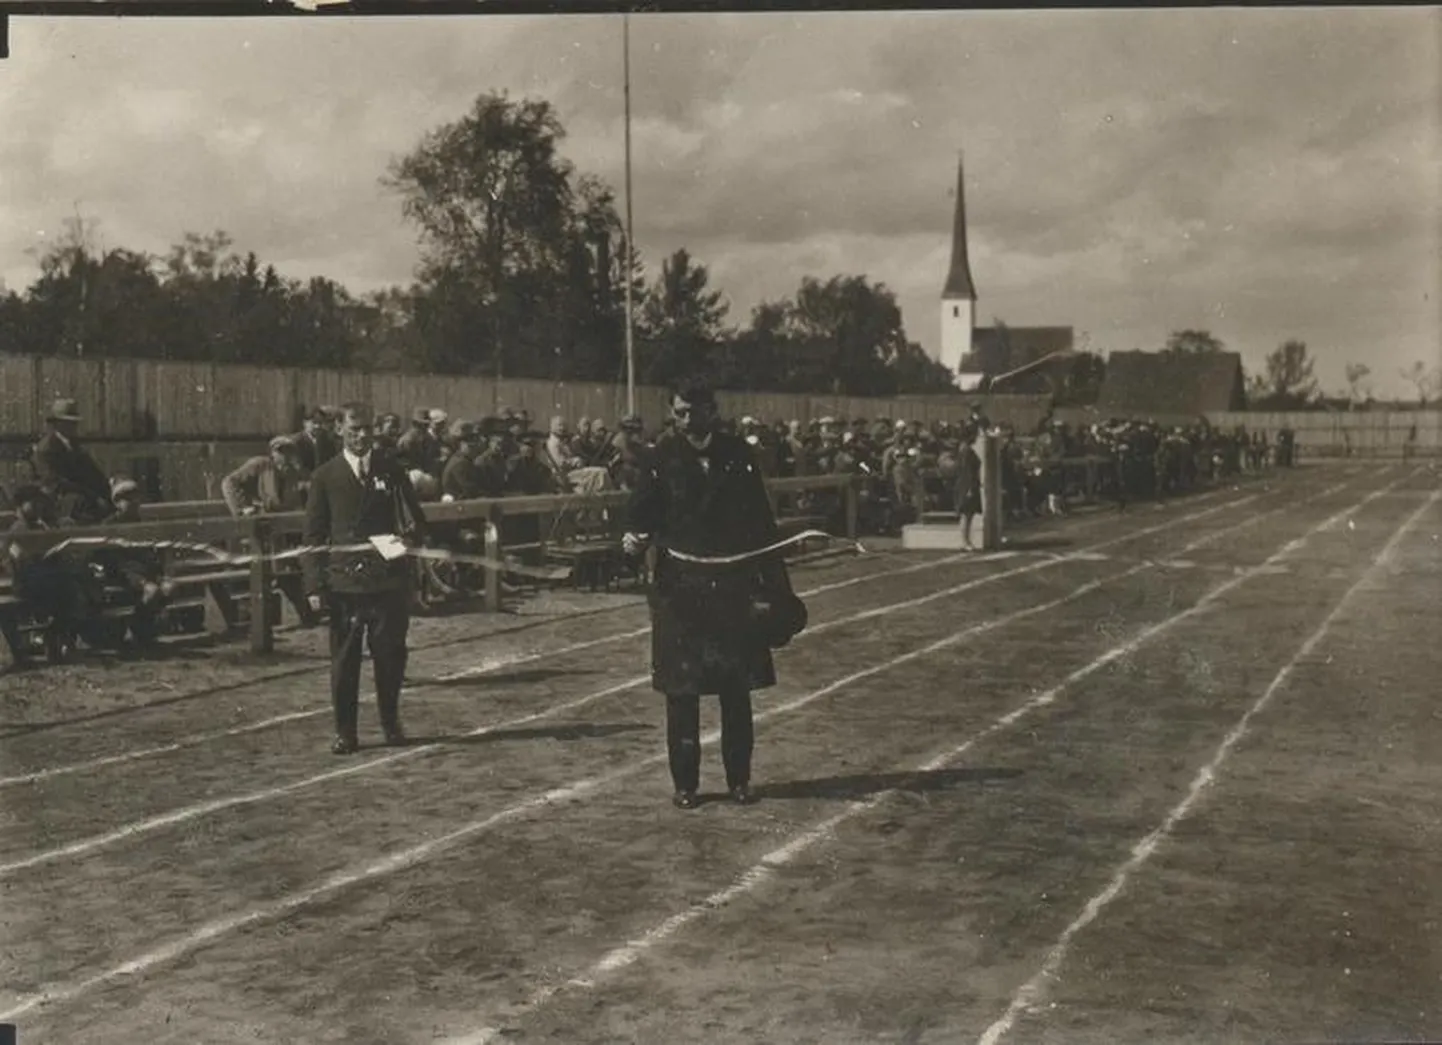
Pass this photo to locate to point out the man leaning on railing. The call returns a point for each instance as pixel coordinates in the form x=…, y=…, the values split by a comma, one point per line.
x=266, y=483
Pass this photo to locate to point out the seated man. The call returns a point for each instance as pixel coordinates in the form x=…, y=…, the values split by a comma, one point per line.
x=54, y=588
x=70, y=476
x=138, y=571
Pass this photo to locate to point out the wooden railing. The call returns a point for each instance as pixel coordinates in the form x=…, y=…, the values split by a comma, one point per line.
x=208, y=523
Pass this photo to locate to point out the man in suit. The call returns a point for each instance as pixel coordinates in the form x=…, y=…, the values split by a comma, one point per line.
x=700, y=493
x=356, y=495
x=66, y=471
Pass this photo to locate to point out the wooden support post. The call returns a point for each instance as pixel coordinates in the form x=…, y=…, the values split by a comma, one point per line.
x=989, y=450
x=495, y=552
x=262, y=627
x=853, y=506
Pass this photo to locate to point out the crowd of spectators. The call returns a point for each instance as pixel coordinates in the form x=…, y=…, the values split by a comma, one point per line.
x=904, y=469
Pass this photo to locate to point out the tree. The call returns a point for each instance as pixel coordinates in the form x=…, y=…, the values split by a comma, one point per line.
x=1424, y=381
x=1189, y=342
x=494, y=202
x=680, y=325
x=1081, y=380
x=1289, y=383
x=852, y=330
x=1358, y=389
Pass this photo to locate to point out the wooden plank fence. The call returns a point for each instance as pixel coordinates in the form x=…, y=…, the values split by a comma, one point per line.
x=126, y=399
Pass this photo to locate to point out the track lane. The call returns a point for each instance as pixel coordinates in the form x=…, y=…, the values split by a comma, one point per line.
x=147, y=801
x=959, y=886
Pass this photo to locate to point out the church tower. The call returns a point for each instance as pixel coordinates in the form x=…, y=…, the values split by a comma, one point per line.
x=958, y=296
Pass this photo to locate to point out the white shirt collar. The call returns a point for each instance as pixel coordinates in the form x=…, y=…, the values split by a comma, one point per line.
x=356, y=462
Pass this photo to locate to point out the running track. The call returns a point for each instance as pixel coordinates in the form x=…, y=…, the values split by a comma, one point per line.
x=1166, y=776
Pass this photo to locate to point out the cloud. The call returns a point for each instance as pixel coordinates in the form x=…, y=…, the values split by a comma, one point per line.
x=1128, y=172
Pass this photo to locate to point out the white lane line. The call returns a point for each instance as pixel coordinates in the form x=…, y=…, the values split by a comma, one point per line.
x=490, y=664
x=763, y=870
x=416, y=854
x=1031, y=992
x=184, y=814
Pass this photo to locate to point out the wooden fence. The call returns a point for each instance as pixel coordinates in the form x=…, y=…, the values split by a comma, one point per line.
x=259, y=583
x=137, y=399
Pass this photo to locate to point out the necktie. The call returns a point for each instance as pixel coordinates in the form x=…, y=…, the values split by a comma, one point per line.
x=361, y=468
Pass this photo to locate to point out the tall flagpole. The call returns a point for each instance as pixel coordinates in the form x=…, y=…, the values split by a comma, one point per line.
x=630, y=337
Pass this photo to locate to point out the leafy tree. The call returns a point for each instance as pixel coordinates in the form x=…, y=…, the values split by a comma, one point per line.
x=1357, y=387
x=1422, y=379
x=494, y=201
x=851, y=329
x=680, y=325
x=1187, y=342
x=1288, y=383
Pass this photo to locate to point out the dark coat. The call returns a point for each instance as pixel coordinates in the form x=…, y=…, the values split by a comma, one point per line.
x=340, y=510
x=72, y=478
x=315, y=448
x=703, y=638
x=967, y=488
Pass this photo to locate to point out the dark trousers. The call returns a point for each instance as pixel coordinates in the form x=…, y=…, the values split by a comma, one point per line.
x=381, y=621
x=683, y=738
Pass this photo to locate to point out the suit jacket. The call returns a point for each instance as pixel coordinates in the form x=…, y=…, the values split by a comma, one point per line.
x=316, y=448
x=258, y=484
x=340, y=510
x=460, y=478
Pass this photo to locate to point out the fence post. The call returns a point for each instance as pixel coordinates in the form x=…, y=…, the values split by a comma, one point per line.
x=1091, y=478
x=494, y=552
x=262, y=636
x=852, y=507
x=990, y=492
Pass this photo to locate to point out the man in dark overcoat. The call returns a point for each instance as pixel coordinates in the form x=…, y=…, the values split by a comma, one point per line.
x=66, y=471
x=700, y=494
x=359, y=493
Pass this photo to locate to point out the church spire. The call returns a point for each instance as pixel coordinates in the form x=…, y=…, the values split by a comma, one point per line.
x=958, y=278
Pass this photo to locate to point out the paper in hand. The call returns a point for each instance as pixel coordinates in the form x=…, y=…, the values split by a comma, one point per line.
x=389, y=545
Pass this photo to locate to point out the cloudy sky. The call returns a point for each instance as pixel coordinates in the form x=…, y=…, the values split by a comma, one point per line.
x=1263, y=174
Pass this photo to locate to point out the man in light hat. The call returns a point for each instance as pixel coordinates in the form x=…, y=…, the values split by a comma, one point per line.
x=67, y=472
x=265, y=483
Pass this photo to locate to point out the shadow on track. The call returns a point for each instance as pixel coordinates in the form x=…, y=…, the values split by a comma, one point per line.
x=314, y=665
x=863, y=785
x=562, y=733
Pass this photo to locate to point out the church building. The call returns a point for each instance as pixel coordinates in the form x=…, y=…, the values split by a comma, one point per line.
x=980, y=355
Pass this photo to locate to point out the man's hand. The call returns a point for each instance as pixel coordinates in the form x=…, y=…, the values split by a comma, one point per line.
x=635, y=543
x=316, y=602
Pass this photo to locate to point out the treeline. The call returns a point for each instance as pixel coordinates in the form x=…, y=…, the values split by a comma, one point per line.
x=522, y=274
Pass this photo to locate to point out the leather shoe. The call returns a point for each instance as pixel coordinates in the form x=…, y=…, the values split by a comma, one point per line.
x=685, y=800
x=742, y=795
x=344, y=745
x=395, y=737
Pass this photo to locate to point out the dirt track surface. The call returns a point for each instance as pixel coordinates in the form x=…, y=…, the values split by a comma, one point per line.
x=1184, y=786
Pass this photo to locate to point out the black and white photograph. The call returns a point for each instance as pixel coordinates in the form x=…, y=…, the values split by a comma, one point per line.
x=745, y=527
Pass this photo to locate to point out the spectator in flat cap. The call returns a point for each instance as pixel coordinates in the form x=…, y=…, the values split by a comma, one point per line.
x=266, y=483
x=461, y=480
x=67, y=472
x=388, y=431
x=317, y=442
x=419, y=449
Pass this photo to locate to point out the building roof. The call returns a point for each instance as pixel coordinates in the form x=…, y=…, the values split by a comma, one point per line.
x=958, y=278
x=1171, y=386
x=999, y=350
